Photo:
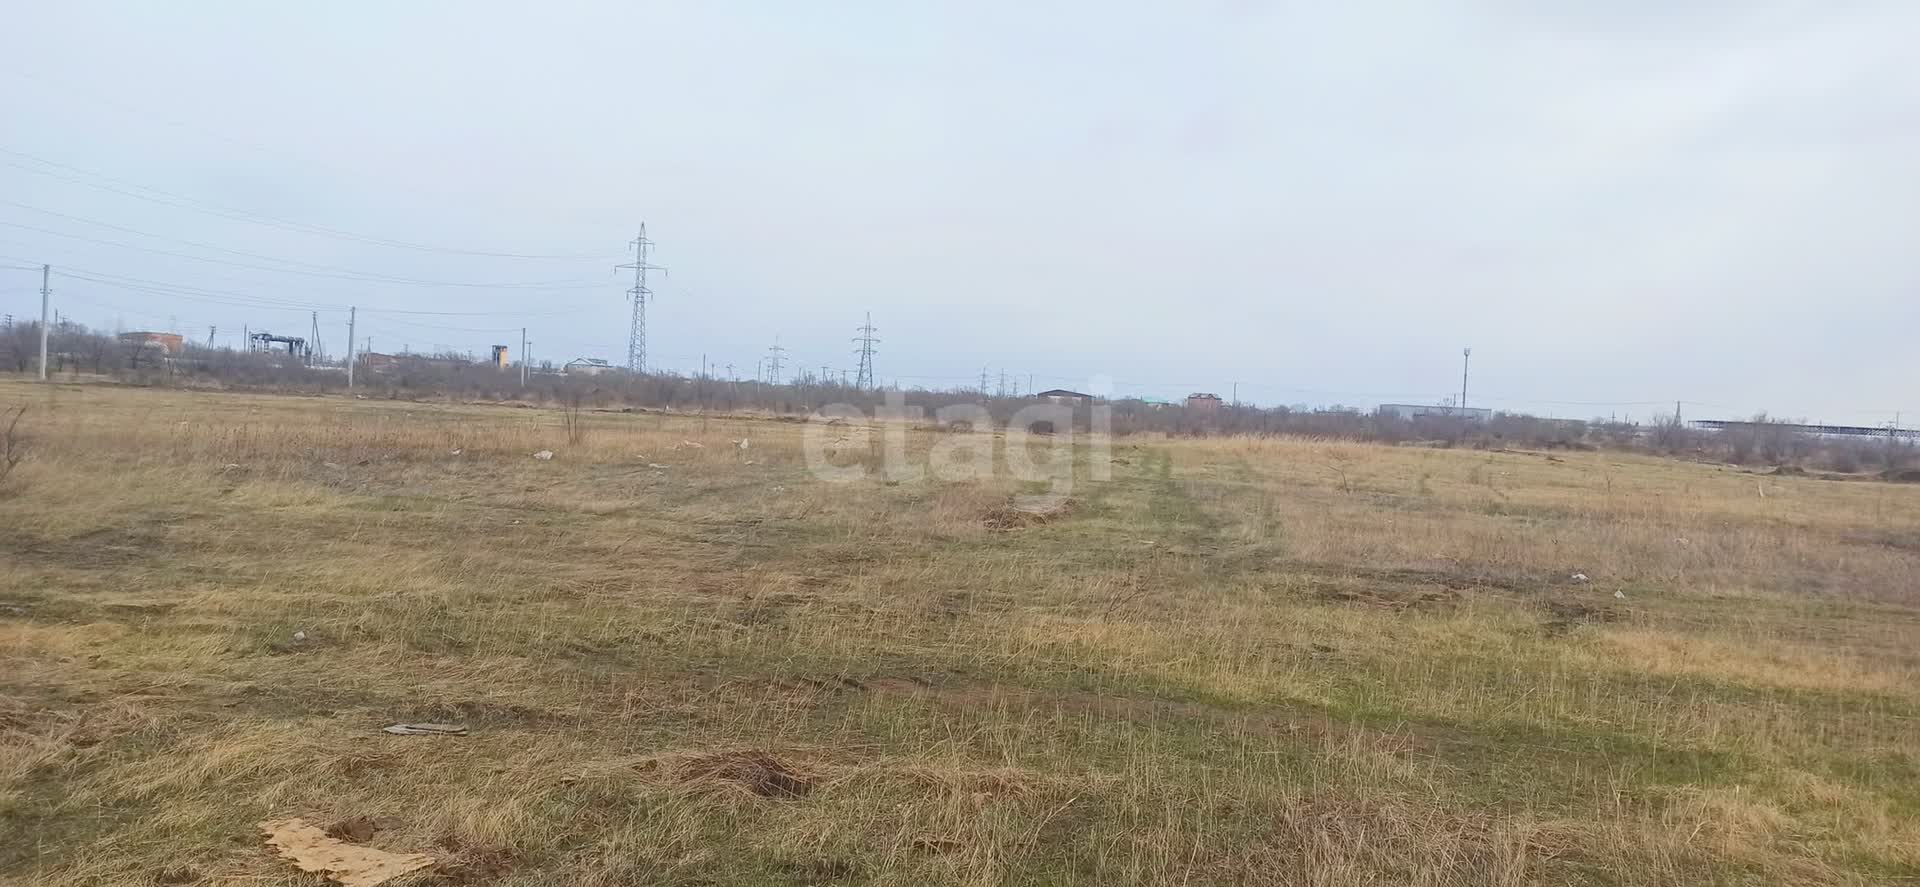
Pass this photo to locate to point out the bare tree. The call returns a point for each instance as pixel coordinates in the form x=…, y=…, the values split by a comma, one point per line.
x=574, y=421
x=12, y=448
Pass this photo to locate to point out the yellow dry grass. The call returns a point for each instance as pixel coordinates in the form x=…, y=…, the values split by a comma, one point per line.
x=681, y=661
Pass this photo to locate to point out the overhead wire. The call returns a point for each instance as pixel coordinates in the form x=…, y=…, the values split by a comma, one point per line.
x=243, y=300
x=358, y=277
x=182, y=201
x=217, y=248
x=114, y=102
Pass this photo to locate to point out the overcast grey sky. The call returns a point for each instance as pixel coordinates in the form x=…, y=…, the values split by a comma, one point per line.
x=1617, y=204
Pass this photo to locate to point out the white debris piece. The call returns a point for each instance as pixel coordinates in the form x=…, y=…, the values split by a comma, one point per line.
x=742, y=443
x=425, y=730
x=1579, y=577
x=656, y=466
x=1620, y=594
x=299, y=635
x=544, y=455
x=456, y=452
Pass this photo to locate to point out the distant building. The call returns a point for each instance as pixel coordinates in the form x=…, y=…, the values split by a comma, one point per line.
x=376, y=361
x=165, y=343
x=499, y=357
x=587, y=366
x=1886, y=431
x=379, y=363
x=1062, y=395
x=1203, y=402
x=1422, y=411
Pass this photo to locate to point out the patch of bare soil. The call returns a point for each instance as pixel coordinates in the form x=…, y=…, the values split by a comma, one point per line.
x=755, y=772
x=1018, y=516
x=1903, y=540
x=1563, y=614
x=1456, y=580
x=1100, y=705
x=100, y=549
x=474, y=864
x=355, y=829
x=1392, y=597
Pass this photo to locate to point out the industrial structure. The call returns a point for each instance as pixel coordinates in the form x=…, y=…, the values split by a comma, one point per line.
x=380, y=363
x=1426, y=411
x=296, y=346
x=1798, y=428
x=587, y=366
x=170, y=344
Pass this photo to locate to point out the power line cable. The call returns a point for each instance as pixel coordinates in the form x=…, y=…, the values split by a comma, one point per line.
x=359, y=277
x=113, y=102
x=181, y=201
x=194, y=243
x=442, y=327
x=189, y=293
x=133, y=284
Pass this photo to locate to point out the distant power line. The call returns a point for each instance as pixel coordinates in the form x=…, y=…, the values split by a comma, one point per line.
x=113, y=101
x=193, y=204
x=245, y=300
x=354, y=276
x=637, y=326
x=774, y=356
x=863, y=379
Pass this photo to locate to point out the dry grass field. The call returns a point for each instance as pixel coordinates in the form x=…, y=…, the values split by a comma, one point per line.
x=1239, y=661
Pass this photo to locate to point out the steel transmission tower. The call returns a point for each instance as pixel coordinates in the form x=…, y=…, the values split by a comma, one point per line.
x=637, y=332
x=863, y=379
x=774, y=356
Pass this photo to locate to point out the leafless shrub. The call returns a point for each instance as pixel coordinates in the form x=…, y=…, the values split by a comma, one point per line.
x=12, y=447
x=1669, y=435
x=575, y=423
x=1337, y=463
x=1896, y=454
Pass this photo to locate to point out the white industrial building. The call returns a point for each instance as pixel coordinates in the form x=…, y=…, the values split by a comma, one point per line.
x=1422, y=411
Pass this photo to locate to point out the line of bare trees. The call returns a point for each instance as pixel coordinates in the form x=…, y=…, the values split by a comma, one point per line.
x=76, y=349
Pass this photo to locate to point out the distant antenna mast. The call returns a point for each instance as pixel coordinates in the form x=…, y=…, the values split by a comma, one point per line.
x=863, y=379
x=1466, y=354
x=637, y=332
